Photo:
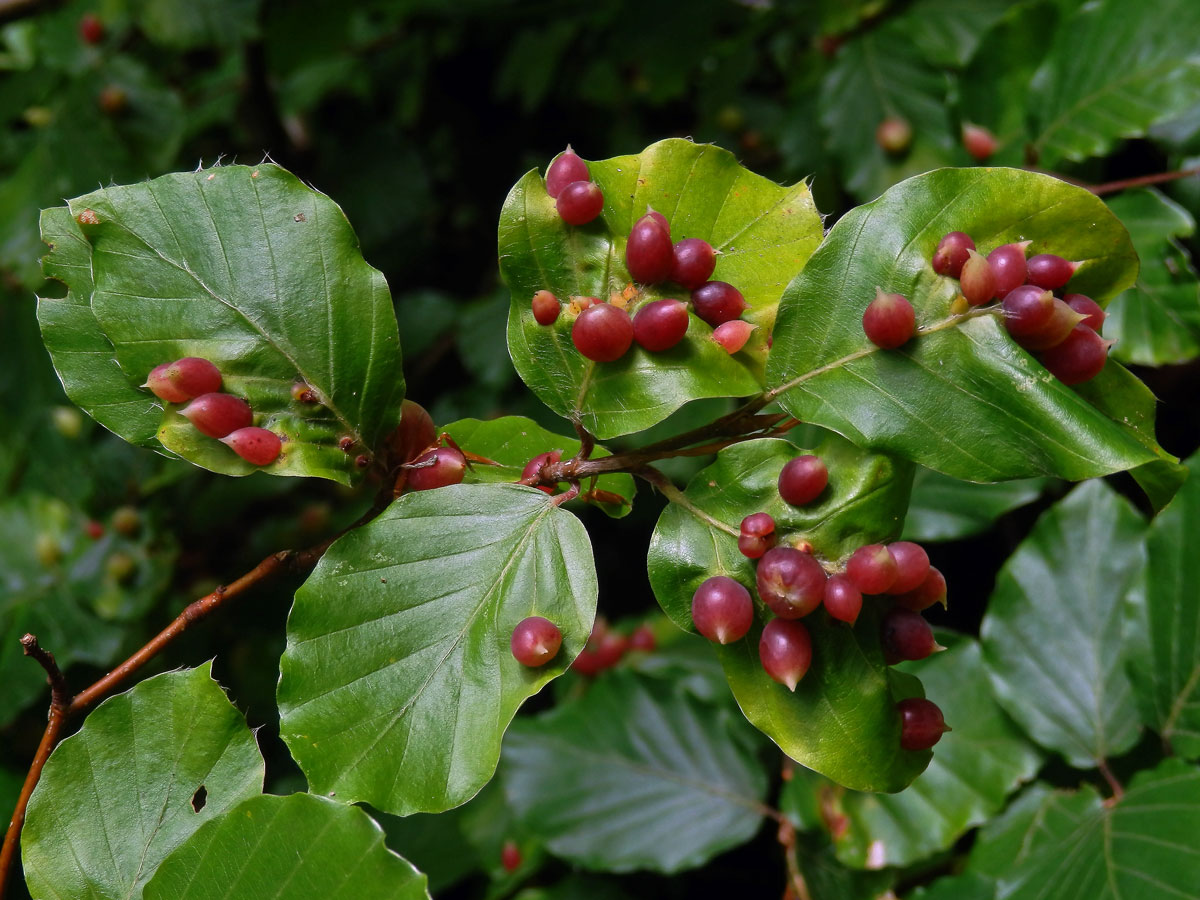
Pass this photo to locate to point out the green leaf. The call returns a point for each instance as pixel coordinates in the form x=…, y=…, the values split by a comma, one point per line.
x=1163, y=628
x=422, y=839
x=398, y=682
x=1115, y=68
x=946, y=31
x=635, y=775
x=946, y=509
x=1008, y=838
x=119, y=796
x=513, y=441
x=79, y=349
x=994, y=88
x=242, y=265
x=974, y=768
x=287, y=848
x=1119, y=394
x=57, y=583
x=187, y=24
x=1141, y=847
x=841, y=719
x=764, y=232
x=1157, y=321
x=696, y=539
x=957, y=887
x=1052, y=634
x=878, y=75
x=961, y=398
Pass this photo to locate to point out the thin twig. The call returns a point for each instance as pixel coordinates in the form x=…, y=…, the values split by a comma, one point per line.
x=1111, y=187
x=1118, y=791
x=63, y=706
x=797, y=886
x=59, y=698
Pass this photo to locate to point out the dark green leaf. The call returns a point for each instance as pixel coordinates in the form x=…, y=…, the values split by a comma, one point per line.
x=1142, y=847
x=841, y=719
x=960, y=398
x=59, y=584
x=513, y=441
x=577, y=887
x=1163, y=634
x=1008, y=839
x=765, y=234
x=299, y=847
x=186, y=24
x=119, y=796
x=635, y=775
x=879, y=75
x=974, y=768
x=946, y=509
x=957, y=887
x=242, y=265
x=1052, y=634
x=1115, y=68
x=1157, y=321
x=994, y=88
x=1120, y=395
x=946, y=31
x=398, y=682
x=423, y=839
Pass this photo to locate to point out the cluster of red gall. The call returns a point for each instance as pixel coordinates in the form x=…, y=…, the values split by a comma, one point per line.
x=197, y=382
x=792, y=583
x=1062, y=332
x=604, y=331
x=535, y=641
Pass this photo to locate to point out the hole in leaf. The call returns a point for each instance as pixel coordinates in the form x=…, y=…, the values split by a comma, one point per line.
x=199, y=798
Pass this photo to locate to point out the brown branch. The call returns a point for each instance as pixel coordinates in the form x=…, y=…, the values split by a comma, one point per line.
x=797, y=886
x=740, y=425
x=59, y=698
x=1118, y=791
x=1112, y=187
x=63, y=706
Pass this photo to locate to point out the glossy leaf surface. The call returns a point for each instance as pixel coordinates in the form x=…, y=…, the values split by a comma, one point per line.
x=764, y=233
x=298, y=847
x=961, y=398
x=946, y=509
x=1143, y=847
x=841, y=720
x=398, y=680
x=1115, y=68
x=1052, y=636
x=1163, y=633
x=244, y=266
x=636, y=774
x=974, y=768
x=1157, y=321
x=118, y=797
x=513, y=441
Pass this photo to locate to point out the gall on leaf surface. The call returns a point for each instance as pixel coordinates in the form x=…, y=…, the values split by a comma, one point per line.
x=241, y=265
x=297, y=847
x=764, y=232
x=398, y=680
x=841, y=719
x=512, y=441
x=115, y=799
x=962, y=398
